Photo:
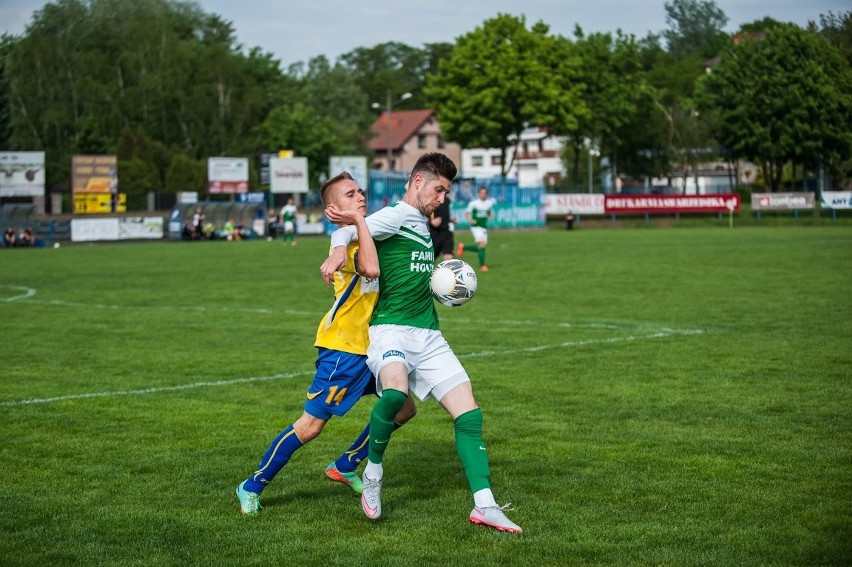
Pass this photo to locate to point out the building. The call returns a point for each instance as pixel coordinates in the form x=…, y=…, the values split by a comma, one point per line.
x=537, y=163
x=410, y=134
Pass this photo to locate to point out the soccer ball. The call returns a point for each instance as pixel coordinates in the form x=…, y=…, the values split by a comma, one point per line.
x=453, y=282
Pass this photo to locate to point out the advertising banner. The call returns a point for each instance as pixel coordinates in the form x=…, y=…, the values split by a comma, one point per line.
x=89, y=230
x=21, y=174
x=94, y=174
x=144, y=228
x=355, y=165
x=640, y=204
x=227, y=175
x=836, y=199
x=782, y=201
x=288, y=175
x=577, y=203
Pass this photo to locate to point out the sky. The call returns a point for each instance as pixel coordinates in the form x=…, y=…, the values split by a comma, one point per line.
x=334, y=27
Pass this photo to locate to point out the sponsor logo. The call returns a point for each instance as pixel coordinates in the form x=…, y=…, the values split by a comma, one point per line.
x=391, y=353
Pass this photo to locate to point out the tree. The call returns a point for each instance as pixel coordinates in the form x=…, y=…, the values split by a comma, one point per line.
x=499, y=79
x=611, y=71
x=785, y=98
x=695, y=28
x=84, y=71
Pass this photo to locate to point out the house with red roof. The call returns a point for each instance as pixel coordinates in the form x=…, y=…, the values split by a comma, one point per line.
x=409, y=134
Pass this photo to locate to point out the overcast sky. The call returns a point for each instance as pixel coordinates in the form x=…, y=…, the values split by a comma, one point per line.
x=334, y=27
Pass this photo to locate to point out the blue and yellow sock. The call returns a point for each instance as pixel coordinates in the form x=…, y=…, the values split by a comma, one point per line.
x=279, y=452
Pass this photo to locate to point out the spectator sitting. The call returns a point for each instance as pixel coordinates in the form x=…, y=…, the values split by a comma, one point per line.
x=26, y=238
x=208, y=231
x=188, y=231
x=10, y=240
x=231, y=230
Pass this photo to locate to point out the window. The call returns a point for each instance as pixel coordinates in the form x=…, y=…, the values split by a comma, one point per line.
x=421, y=141
x=495, y=159
x=476, y=161
x=441, y=143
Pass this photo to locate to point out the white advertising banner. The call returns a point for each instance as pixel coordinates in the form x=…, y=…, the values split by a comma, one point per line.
x=227, y=174
x=836, y=199
x=131, y=228
x=21, y=174
x=288, y=175
x=88, y=230
x=782, y=201
x=355, y=165
x=142, y=228
x=577, y=203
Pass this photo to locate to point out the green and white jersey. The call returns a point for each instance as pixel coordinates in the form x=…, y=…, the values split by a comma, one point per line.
x=406, y=260
x=288, y=213
x=480, y=210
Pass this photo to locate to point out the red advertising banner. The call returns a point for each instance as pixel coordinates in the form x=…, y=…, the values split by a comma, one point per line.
x=640, y=204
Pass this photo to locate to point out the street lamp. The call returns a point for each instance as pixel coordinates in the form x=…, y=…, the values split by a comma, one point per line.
x=389, y=110
x=593, y=152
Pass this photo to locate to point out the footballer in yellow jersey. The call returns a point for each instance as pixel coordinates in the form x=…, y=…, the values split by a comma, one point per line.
x=342, y=376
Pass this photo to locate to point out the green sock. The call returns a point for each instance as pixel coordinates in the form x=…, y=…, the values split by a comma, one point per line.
x=481, y=253
x=471, y=449
x=471, y=247
x=382, y=424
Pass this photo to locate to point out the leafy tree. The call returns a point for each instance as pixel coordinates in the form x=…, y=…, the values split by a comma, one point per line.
x=695, y=28
x=502, y=77
x=785, y=98
x=837, y=29
x=84, y=71
x=394, y=67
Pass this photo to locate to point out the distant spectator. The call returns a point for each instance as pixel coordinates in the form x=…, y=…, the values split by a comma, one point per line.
x=10, y=239
x=188, y=231
x=231, y=231
x=198, y=222
x=27, y=237
x=272, y=223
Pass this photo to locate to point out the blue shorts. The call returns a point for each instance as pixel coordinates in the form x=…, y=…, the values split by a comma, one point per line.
x=341, y=380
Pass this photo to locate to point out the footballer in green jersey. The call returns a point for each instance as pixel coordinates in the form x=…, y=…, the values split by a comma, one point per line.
x=407, y=351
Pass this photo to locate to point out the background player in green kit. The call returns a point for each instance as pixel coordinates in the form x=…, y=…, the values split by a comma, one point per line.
x=288, y=220
x=407, y=351
x=479, y=212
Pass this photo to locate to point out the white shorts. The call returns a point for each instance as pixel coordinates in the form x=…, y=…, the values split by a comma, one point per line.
x=433, y=369
x=479, y=234
x=289, y=226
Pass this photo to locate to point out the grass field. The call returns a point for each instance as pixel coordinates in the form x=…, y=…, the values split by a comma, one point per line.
x=651, y=397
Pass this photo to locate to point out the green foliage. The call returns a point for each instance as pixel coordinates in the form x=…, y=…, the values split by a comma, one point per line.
x=695, y=28
x=837, y=29
x=686, y=402
x=787, y=97
x=502, y=77
x=86, y=70
x=186, y=174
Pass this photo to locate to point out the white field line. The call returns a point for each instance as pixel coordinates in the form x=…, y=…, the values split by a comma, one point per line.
x=662, y=333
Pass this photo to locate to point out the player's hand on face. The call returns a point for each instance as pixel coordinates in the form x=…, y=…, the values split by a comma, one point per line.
x=335, y=261
x=339, y=216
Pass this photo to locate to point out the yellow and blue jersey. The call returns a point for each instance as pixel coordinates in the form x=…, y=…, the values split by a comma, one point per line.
x=344, y=327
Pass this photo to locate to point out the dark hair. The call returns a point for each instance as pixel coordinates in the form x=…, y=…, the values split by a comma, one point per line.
x=327, y=185
x=436, y=165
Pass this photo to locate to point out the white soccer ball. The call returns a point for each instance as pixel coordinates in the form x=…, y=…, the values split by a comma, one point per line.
x=453, y=282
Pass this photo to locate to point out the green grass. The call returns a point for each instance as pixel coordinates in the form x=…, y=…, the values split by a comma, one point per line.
x=651, y=397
